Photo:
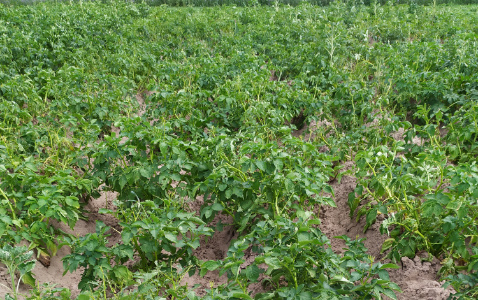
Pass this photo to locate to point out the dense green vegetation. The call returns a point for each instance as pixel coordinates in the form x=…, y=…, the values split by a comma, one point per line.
x=230, y=85
x=202, y=3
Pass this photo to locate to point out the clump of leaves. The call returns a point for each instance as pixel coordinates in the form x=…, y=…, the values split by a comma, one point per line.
x=18, y=259
x=465, y=282
x=466, y=286
x=462, y=139
x=152, y=233
x=48, y=291
x=298, y=253
x=420, y=214
x=262, y=179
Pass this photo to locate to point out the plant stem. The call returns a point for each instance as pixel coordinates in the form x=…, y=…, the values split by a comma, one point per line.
x=9, y=204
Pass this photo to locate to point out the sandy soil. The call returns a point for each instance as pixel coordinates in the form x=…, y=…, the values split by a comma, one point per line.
x=54, y=273
x=215, y=248
x=417, y=280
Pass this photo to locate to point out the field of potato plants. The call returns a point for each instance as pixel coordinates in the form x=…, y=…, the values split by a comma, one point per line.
x=260, y=152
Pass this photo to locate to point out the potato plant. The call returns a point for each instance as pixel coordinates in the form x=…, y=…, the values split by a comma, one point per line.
x=252, y=111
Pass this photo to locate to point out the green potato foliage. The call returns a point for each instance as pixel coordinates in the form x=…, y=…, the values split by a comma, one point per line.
x=251, y=112
x=298, y=253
